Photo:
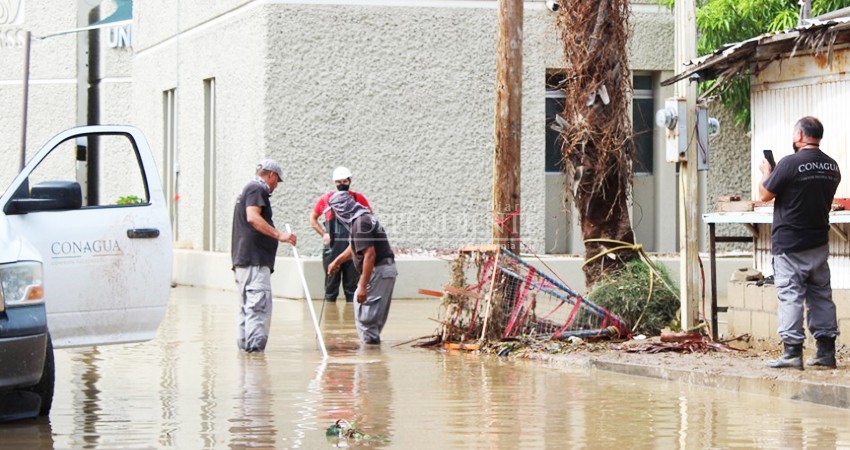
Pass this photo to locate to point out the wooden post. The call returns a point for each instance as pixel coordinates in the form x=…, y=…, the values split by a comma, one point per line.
x=488, y=299
x=506, y=161
x=689, y=280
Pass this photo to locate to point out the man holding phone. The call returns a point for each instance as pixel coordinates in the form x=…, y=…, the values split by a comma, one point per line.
x=768, y=155
x=803, y=185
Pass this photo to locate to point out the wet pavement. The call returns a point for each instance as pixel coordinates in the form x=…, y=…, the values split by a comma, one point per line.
x=190, y=388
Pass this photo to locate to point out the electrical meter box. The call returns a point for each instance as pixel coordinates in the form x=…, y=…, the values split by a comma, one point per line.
x=674, y=117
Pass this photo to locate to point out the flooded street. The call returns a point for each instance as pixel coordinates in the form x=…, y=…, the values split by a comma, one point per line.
x=191, y=388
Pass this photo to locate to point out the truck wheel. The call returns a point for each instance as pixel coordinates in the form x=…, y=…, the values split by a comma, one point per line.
x=45, y=386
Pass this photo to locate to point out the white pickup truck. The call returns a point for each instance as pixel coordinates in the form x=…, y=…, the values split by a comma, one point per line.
x=85, y=257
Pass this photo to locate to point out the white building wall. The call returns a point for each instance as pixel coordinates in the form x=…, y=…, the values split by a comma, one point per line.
x=231, y=49
x=54, y=90
x=402, y=93
x=53, y=75
x=116, y=72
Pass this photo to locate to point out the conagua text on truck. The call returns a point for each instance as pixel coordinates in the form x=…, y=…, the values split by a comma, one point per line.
x=85, y=257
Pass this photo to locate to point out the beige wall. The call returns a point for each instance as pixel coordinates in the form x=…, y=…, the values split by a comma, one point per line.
x=752, y=310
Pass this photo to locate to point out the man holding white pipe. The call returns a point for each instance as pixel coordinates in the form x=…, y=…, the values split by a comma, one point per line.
x=373, y=258
x=253, y=250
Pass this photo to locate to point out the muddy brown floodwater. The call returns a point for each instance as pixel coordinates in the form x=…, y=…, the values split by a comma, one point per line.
x=191, y=389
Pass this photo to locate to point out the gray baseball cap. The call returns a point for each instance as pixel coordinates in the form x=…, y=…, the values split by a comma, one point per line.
x=272, y=166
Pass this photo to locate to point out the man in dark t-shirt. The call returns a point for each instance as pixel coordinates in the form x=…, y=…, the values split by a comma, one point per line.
x=803, y=185
x=253, y=250
x=373, y=258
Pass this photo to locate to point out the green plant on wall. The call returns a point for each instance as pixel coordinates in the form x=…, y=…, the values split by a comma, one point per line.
x=129, y=200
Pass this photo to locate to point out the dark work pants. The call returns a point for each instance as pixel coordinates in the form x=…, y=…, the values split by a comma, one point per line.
x=803, y=282
x=371, y=315
x=347, y=274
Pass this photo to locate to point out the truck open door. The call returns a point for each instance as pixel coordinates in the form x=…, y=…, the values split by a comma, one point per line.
x=107, y=252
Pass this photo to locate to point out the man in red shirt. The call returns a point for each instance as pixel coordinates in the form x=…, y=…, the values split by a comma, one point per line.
x=335, y=238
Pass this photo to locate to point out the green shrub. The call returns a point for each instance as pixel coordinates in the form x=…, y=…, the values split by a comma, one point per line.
x=625, y=292
x=129, y=200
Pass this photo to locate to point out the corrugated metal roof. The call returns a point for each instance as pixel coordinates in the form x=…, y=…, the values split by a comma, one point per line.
x=754, y=54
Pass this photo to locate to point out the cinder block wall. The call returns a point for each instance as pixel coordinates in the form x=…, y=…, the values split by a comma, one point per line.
x=752, y=310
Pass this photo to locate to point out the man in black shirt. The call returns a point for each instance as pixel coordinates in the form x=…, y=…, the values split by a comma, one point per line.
x=253, y=250
x=373, y=258
x=804, y=186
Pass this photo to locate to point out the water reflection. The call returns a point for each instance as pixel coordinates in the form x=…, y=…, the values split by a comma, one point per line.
x=209, y=378
x=29, y=434
x=355, y=384
x=167, y=359
x=192, y=388
x=361, y=392
x=87, y=397
x=252, y=425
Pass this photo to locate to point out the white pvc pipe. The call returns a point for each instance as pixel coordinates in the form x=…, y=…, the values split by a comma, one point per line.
x=309, y=300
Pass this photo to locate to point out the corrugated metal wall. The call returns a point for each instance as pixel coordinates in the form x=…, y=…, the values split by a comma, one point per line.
x=776, y=107
x=802, y=87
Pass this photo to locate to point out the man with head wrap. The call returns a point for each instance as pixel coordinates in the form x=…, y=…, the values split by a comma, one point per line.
x=335, y=238
x=374, y=259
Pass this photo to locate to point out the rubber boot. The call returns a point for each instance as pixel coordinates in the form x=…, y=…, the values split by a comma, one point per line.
x=792, y=358
x=825, y=356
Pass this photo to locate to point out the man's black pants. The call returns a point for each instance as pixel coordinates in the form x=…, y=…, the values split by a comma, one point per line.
x=346, y=274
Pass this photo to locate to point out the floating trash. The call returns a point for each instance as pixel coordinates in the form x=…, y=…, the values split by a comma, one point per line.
x=343, y=430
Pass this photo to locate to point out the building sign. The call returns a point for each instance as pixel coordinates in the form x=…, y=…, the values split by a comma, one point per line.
x=11, y=12
x=11, y=15
x=13, y=38
x=120, y=37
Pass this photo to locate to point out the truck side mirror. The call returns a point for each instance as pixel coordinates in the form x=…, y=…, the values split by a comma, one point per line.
x=48, y=196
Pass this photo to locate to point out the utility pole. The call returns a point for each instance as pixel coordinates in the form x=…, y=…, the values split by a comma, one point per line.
x=26, y=102
x=689, y=281
x=506, y=161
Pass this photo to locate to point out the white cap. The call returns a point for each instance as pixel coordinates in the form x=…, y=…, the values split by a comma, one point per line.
x=341, y=173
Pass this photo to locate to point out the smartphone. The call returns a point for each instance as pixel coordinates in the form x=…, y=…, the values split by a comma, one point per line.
x=768, y=155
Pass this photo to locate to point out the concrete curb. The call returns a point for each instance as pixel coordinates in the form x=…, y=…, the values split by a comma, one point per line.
x=825, y=394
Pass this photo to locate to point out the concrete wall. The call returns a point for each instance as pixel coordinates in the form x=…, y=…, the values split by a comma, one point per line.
x=752, y=310
x=57, y=79
x=729, y=161
x=402, y=95
x=231, y=51
x=53, y=78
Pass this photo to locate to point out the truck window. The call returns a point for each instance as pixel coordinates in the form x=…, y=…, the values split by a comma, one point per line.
x=106, y=166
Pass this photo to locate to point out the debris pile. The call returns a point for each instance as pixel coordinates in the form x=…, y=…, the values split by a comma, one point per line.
x=509, y=299
x=683, y=342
